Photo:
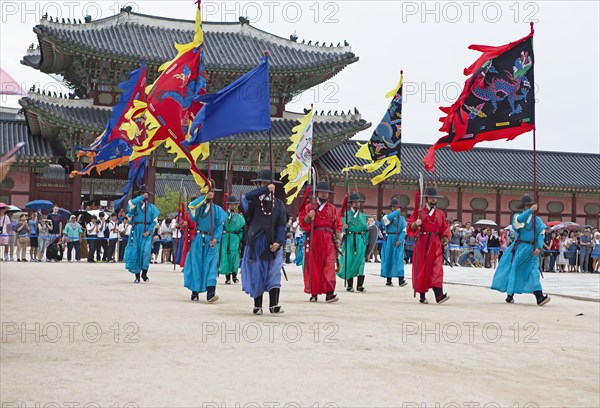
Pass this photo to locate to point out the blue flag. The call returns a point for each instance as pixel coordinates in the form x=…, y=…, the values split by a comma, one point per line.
x=242, y=106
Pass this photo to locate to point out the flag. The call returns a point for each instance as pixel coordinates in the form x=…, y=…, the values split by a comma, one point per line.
x=171, y=105
x=114, y=146
x=242, y=106
x=137, y=171
x=383, y=149
x=298, y=171
x=497, y=101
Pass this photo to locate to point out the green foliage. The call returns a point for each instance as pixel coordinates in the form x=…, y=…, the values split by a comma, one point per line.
x=167, y=203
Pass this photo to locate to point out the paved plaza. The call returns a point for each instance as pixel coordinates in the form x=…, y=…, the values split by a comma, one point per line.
x=81, y=334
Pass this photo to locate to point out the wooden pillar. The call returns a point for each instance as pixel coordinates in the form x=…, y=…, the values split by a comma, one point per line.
x=32, y=181
x=76, y=188
x=498, y=204
x=573, y=207
x=459, y=204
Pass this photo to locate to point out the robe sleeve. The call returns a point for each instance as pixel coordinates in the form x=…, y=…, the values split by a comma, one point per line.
x=402, y=224
x=302, y=215
x=540, y=228
x=522, y=218
x=254, y=194
x=281, y=223
x=414, y=216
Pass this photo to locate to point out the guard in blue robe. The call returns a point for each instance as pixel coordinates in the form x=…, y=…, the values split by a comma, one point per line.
x=519, y=269
x=201, y=264
x=143, y=217
x=263, y=253
x=392, y=250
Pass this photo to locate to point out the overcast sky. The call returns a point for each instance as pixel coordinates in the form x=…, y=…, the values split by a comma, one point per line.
x=428, y=40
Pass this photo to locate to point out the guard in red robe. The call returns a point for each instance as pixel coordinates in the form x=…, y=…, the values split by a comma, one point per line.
x=322, y=243
x=188, y=232
x=430, y=227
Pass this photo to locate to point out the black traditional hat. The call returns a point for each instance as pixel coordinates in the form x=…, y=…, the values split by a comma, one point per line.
x=355, y=197
x=213, y=185
x=323, y=187
x=431, y=192
x=394, y=202
x=266, y=176
x=143, y=190
x=233, y=200
x=526, y=200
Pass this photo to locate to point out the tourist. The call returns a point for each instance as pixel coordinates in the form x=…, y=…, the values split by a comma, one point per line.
x=124, y=232
x=92, y=237
x=166, y=236
x=44, y=239
x=72, y=234
x=454, y=244
x=56, y=227
x=563, y=247
x=585, y=249
x=4, y=227
x=493, y=248
x=102, y=241
x=22, y=230
x=596, y=252
x=33, y=236
x=113, y=237
x=572, y=251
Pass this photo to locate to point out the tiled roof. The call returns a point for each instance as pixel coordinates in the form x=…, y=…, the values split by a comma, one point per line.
x=95, y=119
x=16, y=131
x=175, y=184
x=503, y=168
x=229, y=46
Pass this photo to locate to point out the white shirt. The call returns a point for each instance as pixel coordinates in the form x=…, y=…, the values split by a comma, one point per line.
x=113, y=235
x=101, y=228
x=298, y=231
x=127, y=230
x=91, y=228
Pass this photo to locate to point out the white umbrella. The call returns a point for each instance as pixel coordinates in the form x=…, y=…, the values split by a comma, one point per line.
x=486, y=223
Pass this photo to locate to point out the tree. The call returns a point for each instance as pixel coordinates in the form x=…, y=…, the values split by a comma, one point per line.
x=169, y=202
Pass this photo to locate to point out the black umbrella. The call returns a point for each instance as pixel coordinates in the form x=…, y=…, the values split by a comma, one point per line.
x=84, y=216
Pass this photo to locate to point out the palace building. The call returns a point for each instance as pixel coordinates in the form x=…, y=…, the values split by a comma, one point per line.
x=93, y=57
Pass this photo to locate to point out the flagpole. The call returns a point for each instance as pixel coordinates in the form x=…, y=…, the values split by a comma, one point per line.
x=346, y=236
x=399, y=158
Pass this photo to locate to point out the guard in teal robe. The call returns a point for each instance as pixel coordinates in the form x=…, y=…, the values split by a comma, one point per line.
x=354, y=247
x=201, y=263
x=233, y=230
x=143, y=217
x=392, y=250
x=518, y=270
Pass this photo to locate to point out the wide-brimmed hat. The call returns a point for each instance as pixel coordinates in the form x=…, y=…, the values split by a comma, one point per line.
x=233, y=200
x=526, y=200
x=323, y=187
x=431, y=192
x=355, y=197
x=394, y=202
x=213, y=185
x=143, y=190
x=266, y=176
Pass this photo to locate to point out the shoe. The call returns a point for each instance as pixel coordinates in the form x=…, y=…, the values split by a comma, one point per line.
x=403, y=283
x=509, y=299
x=543, y=300
x=18, y=260
x=227, y=282
x=213, y=299
x=361, y=289
x=423, y=301
x=23, y=260
x=349, y=289
x=236, y=280
x=137, y=280
x=332, y=299
x=257, y=311
x=442, y=299
x=145, y=278
x=194, y=297
x=276, y=309
x=313, y=298
x=389, y=284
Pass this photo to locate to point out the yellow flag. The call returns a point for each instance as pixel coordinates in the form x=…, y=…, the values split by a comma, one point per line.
x=298, y=171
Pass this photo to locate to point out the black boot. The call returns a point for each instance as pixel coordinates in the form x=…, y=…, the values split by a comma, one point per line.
x=389, y=282
x=194, y=296
x=211, y=297
x=360, y=283
x=258, y=305
x=440, y=296
x=350, y=283
x=228, y=279
x=145, y=277
x=402, y=282
x=137, y=278
x=509, y=299
x=274, y=306
x=331, y=297
x=235, y=279
x=541, y=298
x=422, y=298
